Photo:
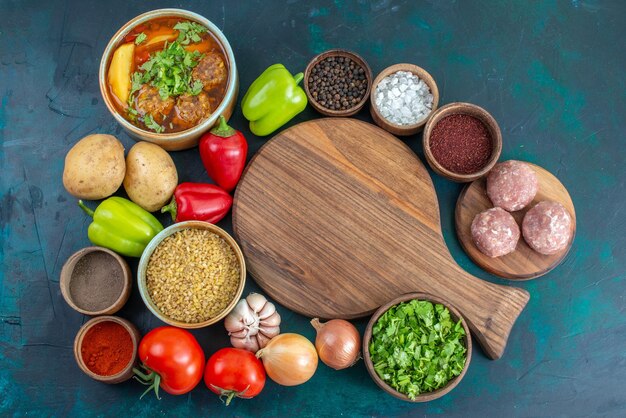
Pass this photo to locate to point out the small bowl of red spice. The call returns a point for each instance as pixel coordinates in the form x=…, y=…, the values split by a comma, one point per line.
x=105, y=349
x=462, y=142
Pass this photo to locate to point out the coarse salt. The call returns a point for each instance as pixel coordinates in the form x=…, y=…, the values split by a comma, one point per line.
x=403, y=98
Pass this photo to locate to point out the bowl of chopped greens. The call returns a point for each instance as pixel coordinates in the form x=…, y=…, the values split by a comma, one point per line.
x=417, y=347
x=167, y=75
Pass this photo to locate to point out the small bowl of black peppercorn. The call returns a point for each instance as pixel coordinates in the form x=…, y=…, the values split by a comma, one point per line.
x=338, y=82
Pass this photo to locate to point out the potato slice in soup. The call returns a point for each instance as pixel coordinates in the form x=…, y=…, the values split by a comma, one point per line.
x=169, y=37
x=120, y=69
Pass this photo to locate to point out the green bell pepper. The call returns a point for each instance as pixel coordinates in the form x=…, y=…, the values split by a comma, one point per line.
x=122, y=226
x=273, y=99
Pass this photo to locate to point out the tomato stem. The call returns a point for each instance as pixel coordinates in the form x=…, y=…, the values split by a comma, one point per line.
x=230, y=397
x=229, y=394
x=150, y=379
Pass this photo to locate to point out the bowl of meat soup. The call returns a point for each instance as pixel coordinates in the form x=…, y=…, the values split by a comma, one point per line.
x=167, y=75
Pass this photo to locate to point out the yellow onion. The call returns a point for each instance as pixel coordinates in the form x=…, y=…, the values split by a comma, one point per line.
x=338, y=343
x=289, y=359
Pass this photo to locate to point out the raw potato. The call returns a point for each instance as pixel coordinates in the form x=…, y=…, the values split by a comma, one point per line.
x=94, y=167
x=120, y=69
x=151, y=176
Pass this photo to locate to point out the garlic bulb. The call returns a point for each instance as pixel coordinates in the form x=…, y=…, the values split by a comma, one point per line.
x=253, y=323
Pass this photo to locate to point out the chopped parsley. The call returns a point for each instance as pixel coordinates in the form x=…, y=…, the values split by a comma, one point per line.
x=169, y=71
x=417, y=348
x=189, y=32
x=140, y=38
x=151, y=124
x=136, y=81
x=196, y=87
x=132, y=113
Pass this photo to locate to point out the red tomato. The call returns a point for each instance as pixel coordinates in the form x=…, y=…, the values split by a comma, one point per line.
x=234, y=372
x=173, y=358
x=141, y=57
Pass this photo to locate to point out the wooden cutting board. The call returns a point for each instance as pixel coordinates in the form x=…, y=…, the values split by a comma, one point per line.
x=337, y=217
x=524, y=263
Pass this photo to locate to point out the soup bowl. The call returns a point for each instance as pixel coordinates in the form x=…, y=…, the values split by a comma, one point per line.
x=188, y=138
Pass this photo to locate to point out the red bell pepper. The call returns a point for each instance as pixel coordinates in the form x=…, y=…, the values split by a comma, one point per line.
x=199, y=202
x=223, y=151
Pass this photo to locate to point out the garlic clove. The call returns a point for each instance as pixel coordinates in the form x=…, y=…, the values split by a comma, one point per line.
x=233, y=323
x=271, y=321
x=243, y=313
x=263, y=340
x=249, y=344
x=267, y=310
x=242, y=333
x=269, y=332
x=256, y=302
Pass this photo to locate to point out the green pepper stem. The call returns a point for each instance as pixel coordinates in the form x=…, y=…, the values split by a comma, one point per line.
x=85, y=208
x=172, y=208
x=222, y=129
x=298, y=77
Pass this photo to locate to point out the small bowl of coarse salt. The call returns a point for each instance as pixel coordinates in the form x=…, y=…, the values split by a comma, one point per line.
x=402, y=99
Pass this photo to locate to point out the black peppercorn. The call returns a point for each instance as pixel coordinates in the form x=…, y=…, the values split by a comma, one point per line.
x=338, y=83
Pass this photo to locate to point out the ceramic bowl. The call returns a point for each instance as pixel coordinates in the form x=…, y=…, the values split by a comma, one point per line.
x=66, y=281
x=124, y=374
x=403, y=130
x=145, y=258
x=471, y=110
x=178, y=140
x=424, y=397
x=338, y=53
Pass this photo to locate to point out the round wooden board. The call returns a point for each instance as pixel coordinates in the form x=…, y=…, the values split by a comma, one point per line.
x=524, y=263
x=337, y=217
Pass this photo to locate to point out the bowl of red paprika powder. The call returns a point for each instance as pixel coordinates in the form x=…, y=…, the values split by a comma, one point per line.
x=105, y=349
x=462, y=142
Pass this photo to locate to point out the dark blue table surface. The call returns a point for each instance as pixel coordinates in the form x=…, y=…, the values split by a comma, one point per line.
x=551, y=73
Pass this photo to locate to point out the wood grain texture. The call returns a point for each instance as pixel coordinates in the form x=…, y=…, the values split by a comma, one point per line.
x=337, y=217
x=524, y=263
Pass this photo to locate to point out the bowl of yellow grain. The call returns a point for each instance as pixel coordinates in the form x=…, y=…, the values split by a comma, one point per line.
x=191, y=274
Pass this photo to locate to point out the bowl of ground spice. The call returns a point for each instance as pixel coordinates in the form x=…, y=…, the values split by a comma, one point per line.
x=95, y=281
x=403, y=97
x=337, y=82
x=462, y=142
x=105, y=348
x=191, y=274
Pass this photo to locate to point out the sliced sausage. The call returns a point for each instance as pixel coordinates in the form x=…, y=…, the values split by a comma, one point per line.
x=547, y=227
x=495, y=232
x=512, y=185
